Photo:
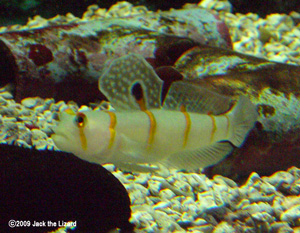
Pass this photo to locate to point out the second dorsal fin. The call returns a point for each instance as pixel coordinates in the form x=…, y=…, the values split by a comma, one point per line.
x=195, y=99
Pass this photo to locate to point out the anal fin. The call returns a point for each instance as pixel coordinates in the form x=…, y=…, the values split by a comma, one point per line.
x=199, y=158
x=132, y=167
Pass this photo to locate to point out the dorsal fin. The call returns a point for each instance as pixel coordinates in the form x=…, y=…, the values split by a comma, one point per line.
x=131, y=83
x=195, y=99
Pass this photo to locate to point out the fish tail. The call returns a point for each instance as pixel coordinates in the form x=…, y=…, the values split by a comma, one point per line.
x=242, y=118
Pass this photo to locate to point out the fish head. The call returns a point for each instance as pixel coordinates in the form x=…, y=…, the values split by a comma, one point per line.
x=85, y=134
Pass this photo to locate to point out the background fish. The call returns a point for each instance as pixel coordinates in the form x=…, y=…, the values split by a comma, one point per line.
x=190, y=131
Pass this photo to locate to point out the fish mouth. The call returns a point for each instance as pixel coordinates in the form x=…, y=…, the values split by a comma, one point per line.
x=58, y=134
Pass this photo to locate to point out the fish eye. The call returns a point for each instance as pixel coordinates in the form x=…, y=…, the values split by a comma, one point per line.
x=80, y=120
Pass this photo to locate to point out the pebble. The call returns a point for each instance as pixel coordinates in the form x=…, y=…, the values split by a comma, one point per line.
x=166, y=194
x=109, y=167
x=6, y=95
x=291, y=214
x=223, y=227
x=31, y=102
x=281, y=180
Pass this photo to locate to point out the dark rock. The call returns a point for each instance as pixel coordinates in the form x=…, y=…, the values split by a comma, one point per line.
x=57, y=186
x=64, y=62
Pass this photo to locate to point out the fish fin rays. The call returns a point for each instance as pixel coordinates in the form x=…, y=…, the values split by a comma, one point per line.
x=242, y=118
x=136, y=167
x=199, y=158
x=195, y=99
x=130, y=83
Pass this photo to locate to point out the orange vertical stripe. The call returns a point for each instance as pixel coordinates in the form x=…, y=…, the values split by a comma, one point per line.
x=187, y=124
x=214, y=127
x=82, y=139
x=111, y=128
x=152, y=128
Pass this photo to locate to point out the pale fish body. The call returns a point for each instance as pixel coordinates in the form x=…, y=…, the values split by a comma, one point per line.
x=183, y=133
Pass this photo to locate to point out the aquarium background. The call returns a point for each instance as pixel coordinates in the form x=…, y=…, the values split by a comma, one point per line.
x=18, y=11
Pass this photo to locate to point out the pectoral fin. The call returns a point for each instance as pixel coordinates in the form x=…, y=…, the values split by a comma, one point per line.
x=199, y=158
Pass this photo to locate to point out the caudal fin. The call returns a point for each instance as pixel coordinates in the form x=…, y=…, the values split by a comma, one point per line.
x=242, y=118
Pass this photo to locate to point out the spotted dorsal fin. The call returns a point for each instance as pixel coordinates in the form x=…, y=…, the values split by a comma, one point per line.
x=130, y=82
x=195, y=99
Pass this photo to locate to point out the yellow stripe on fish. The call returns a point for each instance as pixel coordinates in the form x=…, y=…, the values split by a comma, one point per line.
x=188, y=125
x=214, y=127
x=113, y=122
x=152, y=128
x=178, y=134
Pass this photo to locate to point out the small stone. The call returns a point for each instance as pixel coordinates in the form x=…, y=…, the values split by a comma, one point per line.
x=198, y=182
x=183, y=186
x=186, y=220
x=8, y=111
x=224, y=181
x=282, y=227
x=143, y=219
x=109, y=167
x=199, y=222
x=30, y=102
x=216, y=5
x=201, y=229
x=40, y=108
x=281, y=180
x=154, y=187
x=258, y=208
x=166, y=194
x=262, y=217
x=223, y=227
x=161, y=205
x=7, y=95
x=295, y=188
x=137, y=193
x=165, y=222
x=295, y=172
x=142, y=178
x=243, y=203
x=120, y=176
x=291, y=214
x=172, y=213
x=22, y=143
x=176, y=204
x=279, y=58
